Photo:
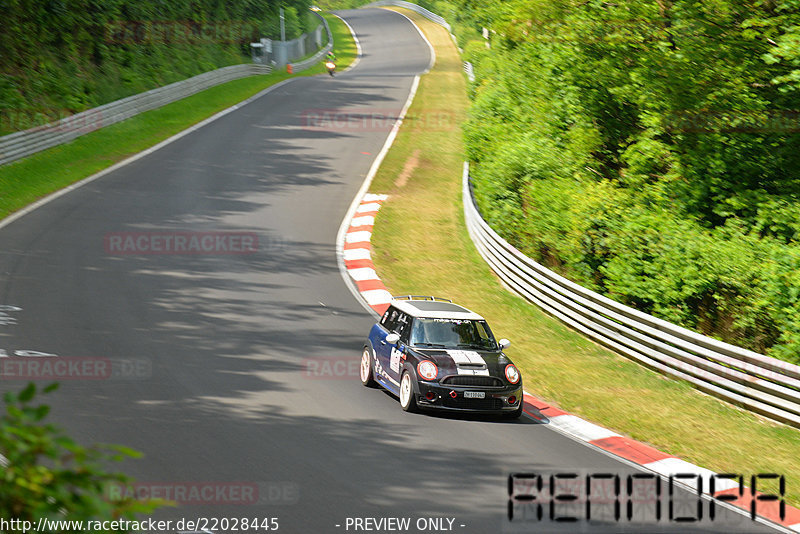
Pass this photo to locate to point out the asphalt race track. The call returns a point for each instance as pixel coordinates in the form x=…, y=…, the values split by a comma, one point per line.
x=238, y=372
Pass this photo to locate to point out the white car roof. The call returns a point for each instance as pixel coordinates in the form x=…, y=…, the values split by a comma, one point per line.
x=435, y=309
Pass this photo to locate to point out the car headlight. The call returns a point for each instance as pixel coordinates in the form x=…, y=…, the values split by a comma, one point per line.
x=427, y=370
x=512, y=374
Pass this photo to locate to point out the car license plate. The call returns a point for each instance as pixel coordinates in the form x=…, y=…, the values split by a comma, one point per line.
x=474, y=394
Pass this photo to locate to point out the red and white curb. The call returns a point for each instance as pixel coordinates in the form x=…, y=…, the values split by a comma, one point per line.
x=657, y=461
x=357, y=254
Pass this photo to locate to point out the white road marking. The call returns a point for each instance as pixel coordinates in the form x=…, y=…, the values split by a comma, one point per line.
x=33, y=354
x=5, y=318
x=27, y=354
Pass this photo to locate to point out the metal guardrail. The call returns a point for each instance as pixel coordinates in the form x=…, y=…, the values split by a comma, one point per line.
x=25, y=143
x=763, y=385
x=469, y=70
x=310, y=62
x=413, y=7
x=21, y=144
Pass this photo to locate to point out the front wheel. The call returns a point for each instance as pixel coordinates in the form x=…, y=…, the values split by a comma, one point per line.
x=407, y=400
x=365, y=370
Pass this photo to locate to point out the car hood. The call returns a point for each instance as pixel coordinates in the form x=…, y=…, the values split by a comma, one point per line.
x=468, y=361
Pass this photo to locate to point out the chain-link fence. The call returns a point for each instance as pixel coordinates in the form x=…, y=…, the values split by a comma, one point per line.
x=280, y=53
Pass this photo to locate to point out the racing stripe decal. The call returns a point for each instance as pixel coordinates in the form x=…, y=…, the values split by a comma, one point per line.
x=474, y=372
x=468, y=358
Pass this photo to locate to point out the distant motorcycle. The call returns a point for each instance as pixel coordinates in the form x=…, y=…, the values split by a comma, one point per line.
x=331, y=66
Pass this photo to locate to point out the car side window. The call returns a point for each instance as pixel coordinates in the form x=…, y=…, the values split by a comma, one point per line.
x=403, y=327
x=417, y=332
x=389, y=320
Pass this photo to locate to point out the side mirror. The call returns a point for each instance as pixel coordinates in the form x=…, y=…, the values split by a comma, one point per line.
x=503, y=343
x=392, y=338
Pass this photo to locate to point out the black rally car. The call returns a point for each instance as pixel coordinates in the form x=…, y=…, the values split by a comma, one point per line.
x=434, y=354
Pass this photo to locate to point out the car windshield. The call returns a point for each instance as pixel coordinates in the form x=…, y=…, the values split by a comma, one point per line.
x=452, y=334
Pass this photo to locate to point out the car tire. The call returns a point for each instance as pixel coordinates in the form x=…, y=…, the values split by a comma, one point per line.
x=407, y=399
x=366, y=369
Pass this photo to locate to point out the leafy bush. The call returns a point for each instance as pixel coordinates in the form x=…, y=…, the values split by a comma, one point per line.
x=648, y=151
x=47, y=475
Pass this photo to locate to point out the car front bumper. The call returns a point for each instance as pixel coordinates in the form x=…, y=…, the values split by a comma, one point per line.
x=496, y=400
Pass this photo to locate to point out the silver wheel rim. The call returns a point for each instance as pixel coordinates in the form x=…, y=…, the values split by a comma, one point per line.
x=405, y=390
x=365, y=363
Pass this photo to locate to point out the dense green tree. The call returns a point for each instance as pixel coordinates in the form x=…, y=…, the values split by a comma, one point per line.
x=650, y=150
x=59, y=57
x=46, y=475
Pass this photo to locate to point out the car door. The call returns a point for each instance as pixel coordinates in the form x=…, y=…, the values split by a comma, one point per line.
x=382, y=348
x=396, y=352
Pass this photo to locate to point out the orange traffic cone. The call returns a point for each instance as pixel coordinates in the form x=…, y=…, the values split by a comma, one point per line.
x=289, y=68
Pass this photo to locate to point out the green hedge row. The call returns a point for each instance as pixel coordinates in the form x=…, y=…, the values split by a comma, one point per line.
x=60, y=58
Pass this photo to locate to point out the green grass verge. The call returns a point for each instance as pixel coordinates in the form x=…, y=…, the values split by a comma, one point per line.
x=423, y=218
x=34, y=177
x=344, y=46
